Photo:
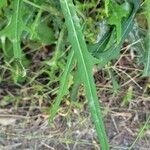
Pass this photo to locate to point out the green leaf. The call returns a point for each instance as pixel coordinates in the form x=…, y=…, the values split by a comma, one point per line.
x=45, y=33
x=75, y=87
x=85, y=64
x=64, y=82
x=146, y=72
x=11, y=37
x=117, y=14
x=63, y=87
x=107, y=6
x=103, y=49
x=3, y=3
x=147, y=42
x=99, y=50
x=13, y=31
x=40, y=31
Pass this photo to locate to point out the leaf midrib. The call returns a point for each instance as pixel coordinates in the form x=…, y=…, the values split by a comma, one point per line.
x=86, y=82
x=79, y=47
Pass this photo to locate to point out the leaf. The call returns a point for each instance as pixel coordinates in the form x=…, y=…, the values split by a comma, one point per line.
x=146, y=72
x=75, y=87
x=40, y=31
x=116, y=17
x=13, y=31
x=107, y=6
x=99, y=50
x=3, y=3
x=14, y=66
x=45, y=33
x=63, y=87
x=85, y=64
x=105, y=55
x=147, y=42
x=101, y=45
x=83, y=57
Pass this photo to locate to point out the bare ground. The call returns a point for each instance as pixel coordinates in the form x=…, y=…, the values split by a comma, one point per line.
x=24, y=114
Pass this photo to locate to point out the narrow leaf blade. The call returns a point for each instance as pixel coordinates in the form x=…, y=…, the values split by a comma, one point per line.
x=84, y=64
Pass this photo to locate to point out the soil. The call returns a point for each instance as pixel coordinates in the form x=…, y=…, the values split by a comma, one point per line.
x=26, y=127
x=24, y=111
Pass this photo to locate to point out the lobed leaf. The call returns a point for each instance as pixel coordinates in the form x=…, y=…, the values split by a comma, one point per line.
x=63, y=87
x=113, y=51
x=102, y=50
x=85, y=64
x=13, y=31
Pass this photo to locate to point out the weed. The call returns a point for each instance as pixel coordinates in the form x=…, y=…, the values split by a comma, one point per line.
x=33, y=31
